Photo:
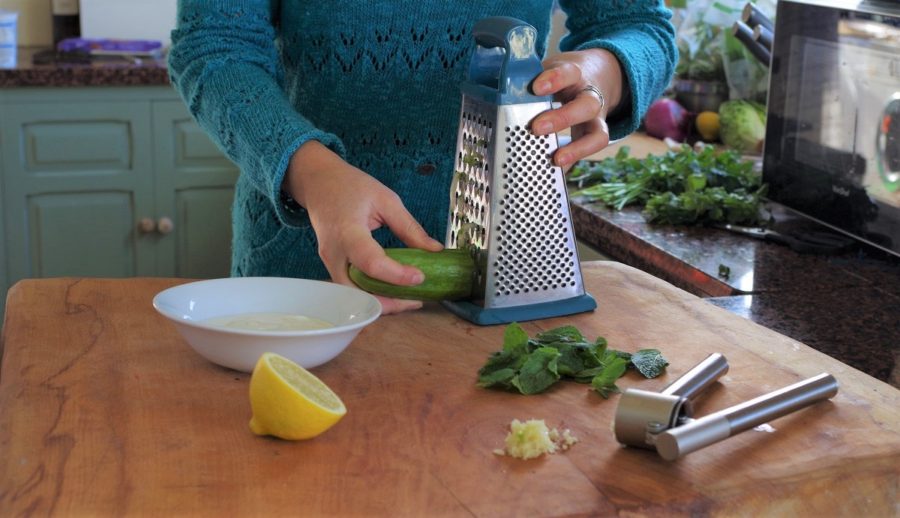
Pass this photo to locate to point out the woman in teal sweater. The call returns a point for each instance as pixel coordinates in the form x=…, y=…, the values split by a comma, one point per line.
x=342, y=115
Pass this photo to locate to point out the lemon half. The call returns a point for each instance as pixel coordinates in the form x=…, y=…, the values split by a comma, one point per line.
x=289, y=402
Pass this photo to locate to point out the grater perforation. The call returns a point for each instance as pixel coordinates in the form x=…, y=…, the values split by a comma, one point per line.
x=508, y=203
x=532, y=190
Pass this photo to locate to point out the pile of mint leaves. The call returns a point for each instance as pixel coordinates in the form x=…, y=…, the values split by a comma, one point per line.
x=684, y=186
x=532, y=365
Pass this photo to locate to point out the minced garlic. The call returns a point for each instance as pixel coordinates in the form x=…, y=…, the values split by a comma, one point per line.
x=533, y=438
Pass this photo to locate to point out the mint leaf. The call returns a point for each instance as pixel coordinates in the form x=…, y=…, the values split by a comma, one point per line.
x=499, y=378
x=501, y=361
x=561, y=334
x=538, y=372
x=532, y=365
x=575, y=358
x=515, y=339
x=605, y=382
x=617, y=354
x=649, y=362
x=587, y=375
x=570, y=360
x=502, y=366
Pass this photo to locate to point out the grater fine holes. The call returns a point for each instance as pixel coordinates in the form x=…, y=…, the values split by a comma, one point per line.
x=532, y=254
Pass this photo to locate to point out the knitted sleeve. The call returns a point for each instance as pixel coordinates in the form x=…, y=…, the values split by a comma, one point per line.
x=224, y=63
x=641, y=36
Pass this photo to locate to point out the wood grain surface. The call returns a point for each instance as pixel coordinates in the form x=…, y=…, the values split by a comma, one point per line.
x=105, y=411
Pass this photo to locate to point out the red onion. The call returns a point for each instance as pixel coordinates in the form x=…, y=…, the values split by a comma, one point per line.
x=667, y=118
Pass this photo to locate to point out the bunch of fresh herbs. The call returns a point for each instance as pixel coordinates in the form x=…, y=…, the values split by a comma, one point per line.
x=532, y=365
x=683, y=186
x=700, y=54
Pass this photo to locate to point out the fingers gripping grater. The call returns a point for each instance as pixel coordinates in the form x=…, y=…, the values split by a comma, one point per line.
x=508, y=202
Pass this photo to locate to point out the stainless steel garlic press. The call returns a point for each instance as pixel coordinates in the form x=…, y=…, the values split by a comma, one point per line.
x=508, y=202
x=664, y=421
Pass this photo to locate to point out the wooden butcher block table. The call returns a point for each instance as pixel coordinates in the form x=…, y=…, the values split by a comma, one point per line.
x=105, y=411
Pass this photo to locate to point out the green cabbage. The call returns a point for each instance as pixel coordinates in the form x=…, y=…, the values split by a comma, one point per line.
x=742, y=125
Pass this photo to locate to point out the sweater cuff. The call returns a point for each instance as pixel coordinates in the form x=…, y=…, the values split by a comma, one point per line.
x=289, y=212
x=630, y=111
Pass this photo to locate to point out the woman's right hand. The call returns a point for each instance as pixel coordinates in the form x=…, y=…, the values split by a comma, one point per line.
x=345, y=205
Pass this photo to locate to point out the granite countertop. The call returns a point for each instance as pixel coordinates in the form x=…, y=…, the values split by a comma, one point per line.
x=844, y=305
x=35, y=67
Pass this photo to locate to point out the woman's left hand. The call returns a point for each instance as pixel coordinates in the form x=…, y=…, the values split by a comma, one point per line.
x=568, y=77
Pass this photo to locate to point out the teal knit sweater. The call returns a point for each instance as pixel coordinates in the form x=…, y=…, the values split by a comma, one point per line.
x=378, y=82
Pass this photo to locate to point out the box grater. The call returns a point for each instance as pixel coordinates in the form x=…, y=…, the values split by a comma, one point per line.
x=508, y=202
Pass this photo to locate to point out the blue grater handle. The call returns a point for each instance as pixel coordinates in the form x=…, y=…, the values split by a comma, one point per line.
x=504, y=62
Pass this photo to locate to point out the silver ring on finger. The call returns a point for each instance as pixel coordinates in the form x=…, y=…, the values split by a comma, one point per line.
x=597, y=93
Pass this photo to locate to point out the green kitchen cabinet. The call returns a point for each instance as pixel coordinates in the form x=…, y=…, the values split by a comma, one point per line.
x=195, y=189
x=3, y=283
x=110, y=182
x=77, y=179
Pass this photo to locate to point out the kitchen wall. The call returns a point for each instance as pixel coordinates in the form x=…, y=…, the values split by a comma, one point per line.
x=128, y=19
x=34, y=21
x=137, y=19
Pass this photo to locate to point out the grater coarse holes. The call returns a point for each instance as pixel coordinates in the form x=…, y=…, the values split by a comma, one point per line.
x=508, y=202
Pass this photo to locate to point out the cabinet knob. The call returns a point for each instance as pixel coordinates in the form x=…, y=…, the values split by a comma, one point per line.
x=146, y=225
x=165, y=225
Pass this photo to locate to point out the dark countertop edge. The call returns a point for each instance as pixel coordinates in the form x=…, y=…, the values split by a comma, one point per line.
x=75, y=77
x=621, y=245
x=99, y=72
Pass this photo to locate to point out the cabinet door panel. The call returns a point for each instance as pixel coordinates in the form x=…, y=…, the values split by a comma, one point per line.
x=81, y=234
x=204, y=234
x=68, y=146
x=77, y=178
x=195, y=183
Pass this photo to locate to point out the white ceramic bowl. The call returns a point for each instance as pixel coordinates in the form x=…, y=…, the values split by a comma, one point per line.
x=189, y=305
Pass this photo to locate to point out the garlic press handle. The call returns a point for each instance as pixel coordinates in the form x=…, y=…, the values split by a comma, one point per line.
x=505, y=59
x=699, y=378
x=681, y=440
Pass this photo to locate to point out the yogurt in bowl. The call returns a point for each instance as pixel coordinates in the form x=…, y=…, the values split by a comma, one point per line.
x=233, y=321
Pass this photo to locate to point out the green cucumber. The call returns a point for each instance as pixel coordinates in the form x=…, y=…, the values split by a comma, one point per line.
x=448, y=275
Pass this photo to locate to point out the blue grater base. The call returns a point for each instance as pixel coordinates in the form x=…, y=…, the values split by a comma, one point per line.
x=491, y=316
